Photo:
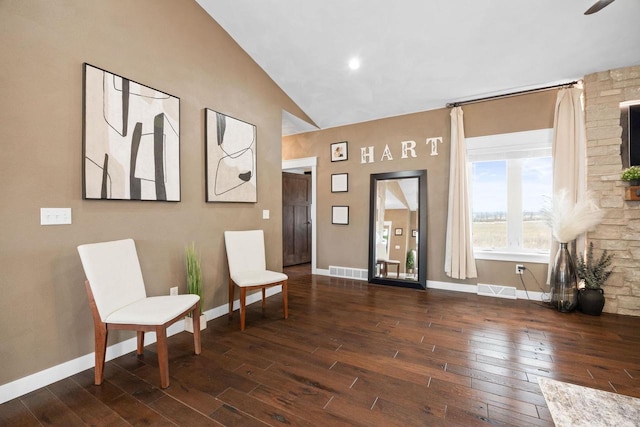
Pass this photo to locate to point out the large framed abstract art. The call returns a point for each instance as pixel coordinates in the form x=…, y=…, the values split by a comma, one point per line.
x=230, y=160
x=131, y=139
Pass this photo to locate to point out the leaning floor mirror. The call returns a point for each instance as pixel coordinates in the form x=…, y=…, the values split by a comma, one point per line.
x=398, y=229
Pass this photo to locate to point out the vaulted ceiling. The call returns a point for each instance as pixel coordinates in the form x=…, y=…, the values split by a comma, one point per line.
x=418, y=55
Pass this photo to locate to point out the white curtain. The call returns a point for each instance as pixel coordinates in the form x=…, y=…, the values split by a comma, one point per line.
x=569, y=154
x=459, y=262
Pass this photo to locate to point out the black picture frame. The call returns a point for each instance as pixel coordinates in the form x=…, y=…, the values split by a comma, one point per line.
x=397, y=232
x=339, y=151
x=340, y=215
x=230, y=148
x=339, y=182
x=130, y=139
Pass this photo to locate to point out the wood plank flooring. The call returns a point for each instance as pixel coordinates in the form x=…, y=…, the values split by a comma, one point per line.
x=355, y=354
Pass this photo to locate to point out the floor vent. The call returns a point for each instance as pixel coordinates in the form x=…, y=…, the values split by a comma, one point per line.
x=348, y=272
x=497, y=291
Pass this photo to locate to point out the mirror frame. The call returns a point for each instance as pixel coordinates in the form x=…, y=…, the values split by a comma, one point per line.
x=421, y=283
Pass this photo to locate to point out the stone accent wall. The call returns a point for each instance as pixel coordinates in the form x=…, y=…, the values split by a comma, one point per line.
x=620, y=231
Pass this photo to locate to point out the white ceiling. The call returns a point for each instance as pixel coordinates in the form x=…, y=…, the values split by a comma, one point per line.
x=418, y=55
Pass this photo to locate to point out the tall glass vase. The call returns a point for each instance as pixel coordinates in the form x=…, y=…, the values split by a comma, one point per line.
x=564, y=282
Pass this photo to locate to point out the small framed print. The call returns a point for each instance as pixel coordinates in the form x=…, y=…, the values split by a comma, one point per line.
x=339, y=182
x=398, y=232
x=414, y=233
x=339, y=151
x=340, y=215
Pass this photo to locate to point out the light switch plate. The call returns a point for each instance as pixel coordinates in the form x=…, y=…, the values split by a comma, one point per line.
x=265, y=214
x=55, y=216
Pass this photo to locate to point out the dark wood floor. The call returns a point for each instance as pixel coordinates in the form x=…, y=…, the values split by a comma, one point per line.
x=355, y=354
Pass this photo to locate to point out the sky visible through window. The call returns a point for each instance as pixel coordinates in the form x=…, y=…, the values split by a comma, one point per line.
x=490, y=185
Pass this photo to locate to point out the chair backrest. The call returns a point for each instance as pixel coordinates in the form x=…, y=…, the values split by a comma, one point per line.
x=245, y=250
x=381, y=251
x=114, y=274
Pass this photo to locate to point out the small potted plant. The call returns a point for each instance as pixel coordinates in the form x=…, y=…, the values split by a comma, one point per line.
x=632, y=175
x=592, y=274
x=194, y=284
x=411, y=261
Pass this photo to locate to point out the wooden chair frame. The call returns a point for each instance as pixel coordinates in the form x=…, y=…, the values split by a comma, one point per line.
x=102, y=329
x=243, y=298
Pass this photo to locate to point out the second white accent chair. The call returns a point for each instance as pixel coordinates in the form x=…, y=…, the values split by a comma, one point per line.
x=248, y=270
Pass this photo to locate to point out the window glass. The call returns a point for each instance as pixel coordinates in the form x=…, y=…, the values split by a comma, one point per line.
x=489, y=201
x=537, y=176
x=510, y=182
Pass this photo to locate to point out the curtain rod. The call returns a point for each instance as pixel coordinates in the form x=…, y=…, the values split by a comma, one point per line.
x=507, y=95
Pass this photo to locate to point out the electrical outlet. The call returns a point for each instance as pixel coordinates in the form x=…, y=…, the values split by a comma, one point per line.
x=173, y=291
x=519, y=269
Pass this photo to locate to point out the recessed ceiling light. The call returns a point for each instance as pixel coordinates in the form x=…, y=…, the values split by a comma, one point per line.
x=354, y=63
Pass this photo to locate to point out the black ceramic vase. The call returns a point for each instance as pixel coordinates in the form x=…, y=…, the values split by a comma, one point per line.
x=591, y=301
x=564, y=282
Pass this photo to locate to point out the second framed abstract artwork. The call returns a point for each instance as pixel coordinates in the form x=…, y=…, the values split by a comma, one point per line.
x=230, y=159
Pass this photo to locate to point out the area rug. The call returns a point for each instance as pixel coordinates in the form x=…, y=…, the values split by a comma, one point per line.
x=572, y=406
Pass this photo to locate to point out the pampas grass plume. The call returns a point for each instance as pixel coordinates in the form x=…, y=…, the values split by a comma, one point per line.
x=568, y=220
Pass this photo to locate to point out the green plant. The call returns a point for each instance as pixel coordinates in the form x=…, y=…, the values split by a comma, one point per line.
x=411, y=260
x=594, y=272
x=631, y=174
x=194, y=272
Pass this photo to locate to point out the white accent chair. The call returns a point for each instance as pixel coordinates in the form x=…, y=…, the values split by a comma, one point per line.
x=118, y=300
x=383, y=261
x=248, y=270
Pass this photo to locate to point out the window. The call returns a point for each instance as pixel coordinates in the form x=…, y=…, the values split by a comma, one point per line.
x=510, y=181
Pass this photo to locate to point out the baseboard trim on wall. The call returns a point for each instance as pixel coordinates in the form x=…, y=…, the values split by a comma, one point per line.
x=473, y=289
x=48, y=376
x=457, y=287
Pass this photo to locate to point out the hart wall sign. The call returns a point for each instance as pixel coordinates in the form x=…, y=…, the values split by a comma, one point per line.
x=407, y=149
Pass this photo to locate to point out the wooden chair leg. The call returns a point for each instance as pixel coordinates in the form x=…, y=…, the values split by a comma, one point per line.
x=163, y=355
x=140, y=350
x=243, y=307
x=231, y=296
x=195, y=314
x=285, y=299
x=101, y=334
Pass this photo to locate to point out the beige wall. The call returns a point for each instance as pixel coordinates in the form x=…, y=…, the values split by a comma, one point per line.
x=618, y=233
x=348, y=245
x=170, y=45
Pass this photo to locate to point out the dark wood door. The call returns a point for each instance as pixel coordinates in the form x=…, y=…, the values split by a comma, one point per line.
x=296, y=218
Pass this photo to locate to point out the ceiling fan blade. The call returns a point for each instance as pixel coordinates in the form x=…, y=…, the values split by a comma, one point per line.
x=597, y=6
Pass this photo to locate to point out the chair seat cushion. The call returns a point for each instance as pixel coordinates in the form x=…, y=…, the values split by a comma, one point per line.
x=257, y=277
x=152, y=310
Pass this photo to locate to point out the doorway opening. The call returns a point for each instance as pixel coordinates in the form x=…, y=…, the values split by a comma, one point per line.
x=305, y=166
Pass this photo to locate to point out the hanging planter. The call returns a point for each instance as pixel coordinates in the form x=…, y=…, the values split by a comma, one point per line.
x=631, y=175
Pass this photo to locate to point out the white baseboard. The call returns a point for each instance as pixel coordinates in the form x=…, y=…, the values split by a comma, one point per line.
x=473, y=289
x=48, y=376
x=448, y=286
x=459, y=287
